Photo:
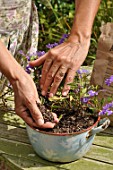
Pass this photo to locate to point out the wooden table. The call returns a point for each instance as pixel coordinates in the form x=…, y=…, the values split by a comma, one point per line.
x=16, y=152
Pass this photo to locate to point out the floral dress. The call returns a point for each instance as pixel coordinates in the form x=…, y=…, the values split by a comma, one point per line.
x=18, y=29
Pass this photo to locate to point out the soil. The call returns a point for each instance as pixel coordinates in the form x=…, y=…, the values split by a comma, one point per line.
x=70, y=121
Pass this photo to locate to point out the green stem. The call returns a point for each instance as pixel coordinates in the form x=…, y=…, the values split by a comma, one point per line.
x=56, y=16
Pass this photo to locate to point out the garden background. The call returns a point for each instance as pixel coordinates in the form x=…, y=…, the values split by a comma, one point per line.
x=56, y=18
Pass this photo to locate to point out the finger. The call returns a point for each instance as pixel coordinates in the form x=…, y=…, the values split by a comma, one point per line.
x=50, y=77
x=35, y=112
x=69, y=79
x=27, y=118
x=45, y=69
x=48, y=125
x=56, y=120
x=38, y=61
x=57, y=80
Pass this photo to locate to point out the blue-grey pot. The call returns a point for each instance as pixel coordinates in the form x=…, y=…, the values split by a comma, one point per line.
x=65, y=147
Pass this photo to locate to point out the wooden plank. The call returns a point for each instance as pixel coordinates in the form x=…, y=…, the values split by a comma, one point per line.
x=23, y=164
x=100, y=154
x=18, y=163
x=13, y=133
x=109, y=130
x=86, y=164
x=6, y=164
x=103, y=139
x=11, y=118
x=20, y=150
x=23, y=156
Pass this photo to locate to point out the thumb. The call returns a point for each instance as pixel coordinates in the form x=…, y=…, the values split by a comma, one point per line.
x=38, y=61
x=36, y=114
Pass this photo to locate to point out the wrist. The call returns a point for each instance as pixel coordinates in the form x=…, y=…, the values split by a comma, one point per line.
x=79, y=37
x=17, y=76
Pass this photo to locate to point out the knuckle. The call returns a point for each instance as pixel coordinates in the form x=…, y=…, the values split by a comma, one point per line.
x=58, y=58
x=58, y=78
x=67, y=87
x=52, y=52
x=69, y=79
x=68, y=61
x=44, y=71
x=49, y=76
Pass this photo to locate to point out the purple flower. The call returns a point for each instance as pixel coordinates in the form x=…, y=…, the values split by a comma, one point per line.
x=49, y=46
x=108, y=112
x=40, y=53
x=28, y=58
x=109, y=81
x=55, y=44
x=92, y=93
x=64, y=36
x=61, y=40
x=106, y=109
x=84, y=99
x=28, y=69
x=21, y=52
x=52, y=45
x=82, y=71
x=107, y=106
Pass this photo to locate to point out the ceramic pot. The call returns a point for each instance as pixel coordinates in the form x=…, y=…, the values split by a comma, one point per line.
x=65, y=147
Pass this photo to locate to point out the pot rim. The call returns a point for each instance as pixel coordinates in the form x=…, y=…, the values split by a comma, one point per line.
x=66, y=134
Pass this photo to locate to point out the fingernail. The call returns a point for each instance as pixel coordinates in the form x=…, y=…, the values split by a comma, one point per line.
x=51, y=95
x=64, y=93
x=43, y=93
x=40, y=122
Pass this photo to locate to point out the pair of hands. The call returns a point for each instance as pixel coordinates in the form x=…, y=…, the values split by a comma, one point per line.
x=62, y=60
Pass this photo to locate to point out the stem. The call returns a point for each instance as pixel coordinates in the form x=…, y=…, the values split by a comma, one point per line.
x=56, y=16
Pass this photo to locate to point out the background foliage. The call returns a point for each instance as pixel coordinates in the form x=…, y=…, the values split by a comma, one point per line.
x=56, y=18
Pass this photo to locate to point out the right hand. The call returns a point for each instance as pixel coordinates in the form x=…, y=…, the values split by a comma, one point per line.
x=60, y=63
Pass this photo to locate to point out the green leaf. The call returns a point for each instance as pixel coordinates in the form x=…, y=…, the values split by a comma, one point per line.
x=56, y=98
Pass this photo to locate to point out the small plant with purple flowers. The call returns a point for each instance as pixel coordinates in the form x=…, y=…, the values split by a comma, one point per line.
x=81, y=107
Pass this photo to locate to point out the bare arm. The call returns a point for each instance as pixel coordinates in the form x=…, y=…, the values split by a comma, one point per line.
x=24, y=89
x=84, y=17
x=8, y=65
x=69, y=56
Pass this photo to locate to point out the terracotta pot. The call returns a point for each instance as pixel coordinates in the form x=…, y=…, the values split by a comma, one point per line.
x=65, y=147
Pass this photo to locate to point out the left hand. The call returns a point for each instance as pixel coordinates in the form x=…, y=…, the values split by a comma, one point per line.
x=26, y=97
x=63, y=60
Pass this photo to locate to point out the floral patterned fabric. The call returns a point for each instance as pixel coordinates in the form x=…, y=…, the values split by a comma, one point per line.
x=18, y=29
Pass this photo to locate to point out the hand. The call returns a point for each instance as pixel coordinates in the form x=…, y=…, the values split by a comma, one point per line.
x=26, y=97
x=63, y=60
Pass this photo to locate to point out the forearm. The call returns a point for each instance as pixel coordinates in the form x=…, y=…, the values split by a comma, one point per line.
x=84, y=17
x=8, y=65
